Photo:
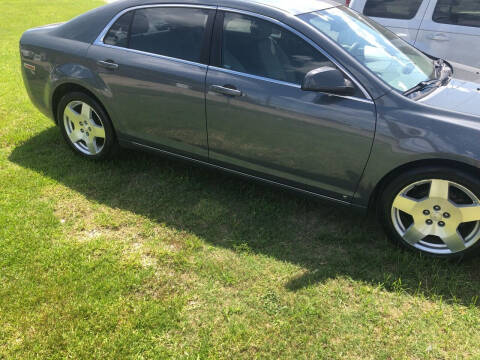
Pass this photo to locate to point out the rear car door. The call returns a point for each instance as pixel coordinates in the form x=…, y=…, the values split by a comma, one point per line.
x=153, y=63
x=262, y=123
x=451, y=30
x=403, y=17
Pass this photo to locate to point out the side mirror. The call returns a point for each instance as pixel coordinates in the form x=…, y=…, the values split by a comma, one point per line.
x=328, y=80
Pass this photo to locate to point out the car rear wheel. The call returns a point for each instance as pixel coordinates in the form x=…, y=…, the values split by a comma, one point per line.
x=85, y=126
x=433, y=210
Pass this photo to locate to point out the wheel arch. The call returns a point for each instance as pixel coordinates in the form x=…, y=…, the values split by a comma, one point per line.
x=68, y=87
x=376, y=193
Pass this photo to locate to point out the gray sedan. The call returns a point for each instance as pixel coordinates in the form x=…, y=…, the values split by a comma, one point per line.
x=310, y=96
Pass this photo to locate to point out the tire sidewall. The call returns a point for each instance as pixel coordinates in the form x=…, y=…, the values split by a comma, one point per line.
x=392, y=189
x=110, y=139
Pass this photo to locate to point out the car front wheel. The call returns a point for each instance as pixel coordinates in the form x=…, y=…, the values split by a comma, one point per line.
x=434, y=210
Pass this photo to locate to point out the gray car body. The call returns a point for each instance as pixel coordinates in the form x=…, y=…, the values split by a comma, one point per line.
x=328, y=146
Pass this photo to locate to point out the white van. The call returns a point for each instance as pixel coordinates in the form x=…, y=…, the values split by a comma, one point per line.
x=448, y=29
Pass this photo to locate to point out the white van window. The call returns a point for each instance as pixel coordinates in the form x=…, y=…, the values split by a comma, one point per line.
x=392, y=9
x=454, y=12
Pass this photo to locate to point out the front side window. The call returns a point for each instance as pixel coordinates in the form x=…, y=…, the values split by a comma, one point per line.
x=463, y=13
x=259, y=47
x=173, y=32
x=393, y=60
x=392, y=9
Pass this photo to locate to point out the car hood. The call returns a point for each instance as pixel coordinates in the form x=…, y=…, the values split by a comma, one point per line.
x=462, y=94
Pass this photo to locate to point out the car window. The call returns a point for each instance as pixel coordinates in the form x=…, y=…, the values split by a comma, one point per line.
x=392, y=9
x=174, y=32
x=463, y=13
x=118, y=33
x=259, y=47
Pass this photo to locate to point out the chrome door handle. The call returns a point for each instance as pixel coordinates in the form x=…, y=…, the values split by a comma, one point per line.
x=439, y=37
x=226, y=90
x=108, y=64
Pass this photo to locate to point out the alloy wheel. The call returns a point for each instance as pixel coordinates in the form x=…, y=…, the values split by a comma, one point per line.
x=84, y=128
x=437, y=216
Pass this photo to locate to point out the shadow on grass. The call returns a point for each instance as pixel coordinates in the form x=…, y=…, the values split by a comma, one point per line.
x=234, y=213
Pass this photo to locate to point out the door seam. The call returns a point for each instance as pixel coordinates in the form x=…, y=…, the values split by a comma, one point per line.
x=205, y=90
x=421, y=22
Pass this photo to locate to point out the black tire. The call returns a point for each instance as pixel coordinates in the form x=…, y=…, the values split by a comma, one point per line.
x=395, y=186
x=109, y=144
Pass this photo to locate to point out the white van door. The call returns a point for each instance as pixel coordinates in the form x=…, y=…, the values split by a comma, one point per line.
x=451, y=31
x=403, y=17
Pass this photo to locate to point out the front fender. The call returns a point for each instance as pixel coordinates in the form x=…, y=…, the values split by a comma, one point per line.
x=409, y=132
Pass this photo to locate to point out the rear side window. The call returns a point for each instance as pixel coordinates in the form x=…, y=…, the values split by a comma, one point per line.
x=393, y=9
x=118, y=33
x=174, y=32
x=258, y=47
x=463, y=13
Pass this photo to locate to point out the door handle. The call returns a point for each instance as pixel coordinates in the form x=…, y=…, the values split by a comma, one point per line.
x=226, y=90
x=439, y=37
x=108, y=64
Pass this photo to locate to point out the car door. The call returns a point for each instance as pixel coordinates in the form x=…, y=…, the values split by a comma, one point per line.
x=153, y=63
x=451, y=30
x=262, y=123
x=403, y=17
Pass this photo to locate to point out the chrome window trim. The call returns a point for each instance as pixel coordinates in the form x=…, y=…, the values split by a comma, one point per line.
x=309, y=41
x=101, y=37
x=99, y=42
x=163, y=57
x=256, y=77
x=279, y=82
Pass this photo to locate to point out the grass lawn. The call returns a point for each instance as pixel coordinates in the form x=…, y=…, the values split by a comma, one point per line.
x=145, y=257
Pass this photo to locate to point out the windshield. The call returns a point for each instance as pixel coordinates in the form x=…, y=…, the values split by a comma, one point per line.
x=396, y=62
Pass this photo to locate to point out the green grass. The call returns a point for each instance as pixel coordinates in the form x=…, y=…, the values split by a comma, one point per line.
x=144, y=257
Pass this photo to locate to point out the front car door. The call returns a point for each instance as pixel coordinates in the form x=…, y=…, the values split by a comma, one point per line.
x=451, y=30
x=262, y=123
x=403, y=17
x=153, y=62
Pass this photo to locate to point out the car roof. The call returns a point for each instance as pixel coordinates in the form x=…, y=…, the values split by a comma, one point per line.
x=88, y=26
x=291, y=6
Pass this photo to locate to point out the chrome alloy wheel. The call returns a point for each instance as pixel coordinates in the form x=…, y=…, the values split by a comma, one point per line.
x=437, y=216
x=84, y=127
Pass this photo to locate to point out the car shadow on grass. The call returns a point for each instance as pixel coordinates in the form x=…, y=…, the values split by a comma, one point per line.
x=241, y=215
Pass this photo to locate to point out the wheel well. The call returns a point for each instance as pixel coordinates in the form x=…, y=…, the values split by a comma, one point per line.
x=68, y=88
x=373, y=202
